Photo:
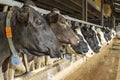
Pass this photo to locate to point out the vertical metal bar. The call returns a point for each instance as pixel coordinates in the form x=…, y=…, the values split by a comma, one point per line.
x=11, y=3
x=86, y=7
x=108, y=22
x=84, y=10
x=114, y=22
x=26, y=62
x=102, y=16
x=112, y=14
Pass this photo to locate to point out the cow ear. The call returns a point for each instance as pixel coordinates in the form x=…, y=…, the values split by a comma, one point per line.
x=53, y=18
x=23, y=17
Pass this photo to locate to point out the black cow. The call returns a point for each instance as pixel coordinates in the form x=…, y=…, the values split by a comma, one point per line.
x=107, y=34
x=91, y=38
x=82, y=47
x=31, y=34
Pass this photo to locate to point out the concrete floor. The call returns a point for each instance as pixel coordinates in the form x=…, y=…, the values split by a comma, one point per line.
x=102, y=66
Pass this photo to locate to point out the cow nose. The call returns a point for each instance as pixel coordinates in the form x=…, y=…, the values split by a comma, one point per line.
x=63, y=46
x=74, y=41
x=61, y=51
x=78, y=41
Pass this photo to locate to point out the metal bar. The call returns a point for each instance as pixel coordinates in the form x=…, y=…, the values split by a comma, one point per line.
x=83, y=22
x=114, y=22
x=108, y=21
x=102, y=17
x=11, y=3
x=43, y=11
x=26, y=62
x=84, y=10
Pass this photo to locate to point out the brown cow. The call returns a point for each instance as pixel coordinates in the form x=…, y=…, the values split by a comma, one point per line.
x=61, y=28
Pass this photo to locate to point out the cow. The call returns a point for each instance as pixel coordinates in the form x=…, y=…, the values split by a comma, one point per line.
x=61, y=28
x=101, y=36
x=31, y=35
x=83, y=47
x=90, y=36
x=113, y=33
x=97, y=37
x=67, y=35
x=107, y=34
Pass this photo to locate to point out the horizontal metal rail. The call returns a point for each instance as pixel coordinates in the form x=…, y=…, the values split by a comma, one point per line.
x=43, y=11
x=11, y=3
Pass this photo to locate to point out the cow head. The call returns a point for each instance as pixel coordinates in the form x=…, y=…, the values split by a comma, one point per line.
x=32, y=34
x=82, y=47
x=61, y=28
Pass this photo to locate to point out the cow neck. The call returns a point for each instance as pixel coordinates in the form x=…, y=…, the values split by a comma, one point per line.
x=15, y=57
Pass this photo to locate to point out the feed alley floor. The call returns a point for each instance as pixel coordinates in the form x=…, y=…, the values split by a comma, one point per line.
x=102, y=66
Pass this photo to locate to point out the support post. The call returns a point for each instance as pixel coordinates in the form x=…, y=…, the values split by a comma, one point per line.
x=102, y=16
x=108, y=22
x=114, y=22
x=84, y=10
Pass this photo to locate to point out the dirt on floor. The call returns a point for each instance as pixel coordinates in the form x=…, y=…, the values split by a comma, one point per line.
x=102, y=66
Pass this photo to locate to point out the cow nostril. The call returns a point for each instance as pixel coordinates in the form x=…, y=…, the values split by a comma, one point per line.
x=78, y=41
x=61, y=51
x=91, y=53
x=63, y=46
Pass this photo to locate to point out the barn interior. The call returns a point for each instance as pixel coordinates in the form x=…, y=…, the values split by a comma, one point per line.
x=104, y=65
x=89, y=11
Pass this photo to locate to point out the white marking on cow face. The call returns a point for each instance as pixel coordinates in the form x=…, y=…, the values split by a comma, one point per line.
x=113, y=33
x=93, y=28
x=103, y=41
x=88, y=54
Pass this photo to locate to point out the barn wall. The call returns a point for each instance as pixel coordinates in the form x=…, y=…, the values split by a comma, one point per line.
x=107, y=9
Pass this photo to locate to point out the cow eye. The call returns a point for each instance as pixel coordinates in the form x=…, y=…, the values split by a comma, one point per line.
x=38, y=22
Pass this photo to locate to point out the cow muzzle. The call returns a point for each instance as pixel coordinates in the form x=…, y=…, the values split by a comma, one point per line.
x=75, y=41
